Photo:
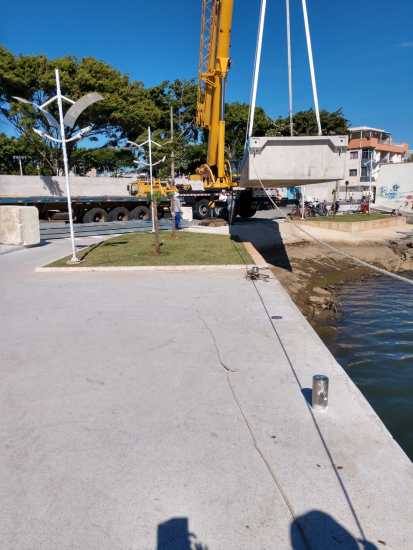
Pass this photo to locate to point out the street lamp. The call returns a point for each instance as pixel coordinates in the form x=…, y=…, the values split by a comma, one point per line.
x=151, y=164
x=68, y=120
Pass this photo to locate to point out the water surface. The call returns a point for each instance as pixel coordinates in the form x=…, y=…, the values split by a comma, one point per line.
x=374, y=343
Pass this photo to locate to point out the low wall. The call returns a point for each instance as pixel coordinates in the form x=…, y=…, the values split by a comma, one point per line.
x=355, y=227
x=54, y=186
x=19, y=225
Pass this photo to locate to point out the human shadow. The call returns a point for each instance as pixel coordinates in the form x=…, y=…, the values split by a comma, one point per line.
x=174, y=534
x=265, y=236
x=317, y=530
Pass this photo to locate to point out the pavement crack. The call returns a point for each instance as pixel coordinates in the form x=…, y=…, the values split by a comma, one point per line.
x=254, y=441
x=214, y=341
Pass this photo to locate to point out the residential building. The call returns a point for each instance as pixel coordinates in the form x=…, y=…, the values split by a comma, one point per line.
x=367, y=150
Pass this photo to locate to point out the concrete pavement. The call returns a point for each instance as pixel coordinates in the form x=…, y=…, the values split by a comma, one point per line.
x=162, y=410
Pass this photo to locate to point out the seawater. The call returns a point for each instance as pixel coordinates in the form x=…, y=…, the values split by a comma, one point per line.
x=374, y=344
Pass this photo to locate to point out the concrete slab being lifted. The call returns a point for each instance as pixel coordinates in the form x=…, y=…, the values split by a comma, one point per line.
x=291, y=161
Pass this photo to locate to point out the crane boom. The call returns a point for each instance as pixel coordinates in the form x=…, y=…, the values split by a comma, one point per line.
x=214, y=63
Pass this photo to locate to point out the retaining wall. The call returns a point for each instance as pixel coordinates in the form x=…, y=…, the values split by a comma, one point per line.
x=355, y=227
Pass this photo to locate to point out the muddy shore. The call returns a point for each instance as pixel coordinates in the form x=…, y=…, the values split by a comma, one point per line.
x=315, y=273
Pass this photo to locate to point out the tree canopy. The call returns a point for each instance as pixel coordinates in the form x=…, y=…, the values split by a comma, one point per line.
x=126, y=111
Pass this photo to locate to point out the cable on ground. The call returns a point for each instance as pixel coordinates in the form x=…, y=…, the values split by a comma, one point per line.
x=294, y=372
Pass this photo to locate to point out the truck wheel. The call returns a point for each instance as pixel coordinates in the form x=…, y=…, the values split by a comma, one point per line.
x=201, y=209
x=140, y=213
x=95, y=215
x=119, y=214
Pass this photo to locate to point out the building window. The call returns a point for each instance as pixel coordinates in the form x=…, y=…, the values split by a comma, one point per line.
x=354, y=155
x=366, y=154
x=364, y=172
x=353, y=173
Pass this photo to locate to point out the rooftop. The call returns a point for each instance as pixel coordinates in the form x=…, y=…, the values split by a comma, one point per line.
x=367, y=128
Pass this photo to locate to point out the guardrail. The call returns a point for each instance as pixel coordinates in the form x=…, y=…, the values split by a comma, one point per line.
x=51, y=231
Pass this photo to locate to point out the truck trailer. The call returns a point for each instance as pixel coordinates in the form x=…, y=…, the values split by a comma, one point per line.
x=100, y=199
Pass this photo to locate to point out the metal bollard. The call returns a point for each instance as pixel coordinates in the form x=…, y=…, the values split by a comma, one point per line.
x=320, y=392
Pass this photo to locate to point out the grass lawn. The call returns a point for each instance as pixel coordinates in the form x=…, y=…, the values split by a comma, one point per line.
x=349, y=218
x=185, y=249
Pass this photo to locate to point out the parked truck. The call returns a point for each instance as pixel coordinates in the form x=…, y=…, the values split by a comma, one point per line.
x=100, y=199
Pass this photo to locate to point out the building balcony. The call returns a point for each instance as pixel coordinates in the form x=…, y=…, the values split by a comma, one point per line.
x=377, y=145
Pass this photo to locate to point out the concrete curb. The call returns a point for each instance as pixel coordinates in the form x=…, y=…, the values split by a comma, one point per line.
x=255, y=255
x=143, y=268
x=249, y=247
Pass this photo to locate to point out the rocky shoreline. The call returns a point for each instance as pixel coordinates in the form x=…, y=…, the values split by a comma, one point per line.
x=316, y=273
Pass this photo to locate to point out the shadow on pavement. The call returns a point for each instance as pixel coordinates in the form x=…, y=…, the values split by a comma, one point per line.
x=266, y=237
x=317, y=530
x=174, y=534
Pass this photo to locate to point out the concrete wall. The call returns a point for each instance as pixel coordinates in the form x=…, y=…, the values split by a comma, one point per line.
x=48, y=186
x=19, y=225
x=319, y=191
x=394, y=185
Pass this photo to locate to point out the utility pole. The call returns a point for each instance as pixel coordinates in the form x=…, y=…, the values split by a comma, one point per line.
x=19, y=158
x=173, y=152
x=172, y=203
x=371, y=176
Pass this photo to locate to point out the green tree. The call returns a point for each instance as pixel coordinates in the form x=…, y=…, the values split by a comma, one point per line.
x=126, y=110
x=305, y=124
x=11, y=148
x=107, y=159
x=236, y=119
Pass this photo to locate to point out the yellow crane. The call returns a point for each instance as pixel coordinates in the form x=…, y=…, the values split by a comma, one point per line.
x=214, y=64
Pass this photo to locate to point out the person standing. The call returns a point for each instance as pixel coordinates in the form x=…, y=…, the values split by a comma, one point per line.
x=177, y=210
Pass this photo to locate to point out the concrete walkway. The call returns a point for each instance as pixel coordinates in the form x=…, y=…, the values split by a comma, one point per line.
x=162, y=411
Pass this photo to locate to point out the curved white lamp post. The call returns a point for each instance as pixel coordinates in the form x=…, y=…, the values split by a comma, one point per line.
x=151, y=164
x=68, y=120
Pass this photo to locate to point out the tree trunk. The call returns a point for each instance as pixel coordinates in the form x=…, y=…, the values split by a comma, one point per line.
x=156, y=225
x=172, y=208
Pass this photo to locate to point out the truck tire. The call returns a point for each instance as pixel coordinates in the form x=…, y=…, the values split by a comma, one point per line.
x=140, y=213
x=201, y=209
x=119, y=214
x=95, y=215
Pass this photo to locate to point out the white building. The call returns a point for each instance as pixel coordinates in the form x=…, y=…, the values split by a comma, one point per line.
x=368, y=149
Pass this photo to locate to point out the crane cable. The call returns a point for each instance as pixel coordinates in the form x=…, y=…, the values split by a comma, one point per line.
x=256, y=74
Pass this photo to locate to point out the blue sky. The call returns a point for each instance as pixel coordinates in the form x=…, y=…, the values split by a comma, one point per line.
x=363, y=50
